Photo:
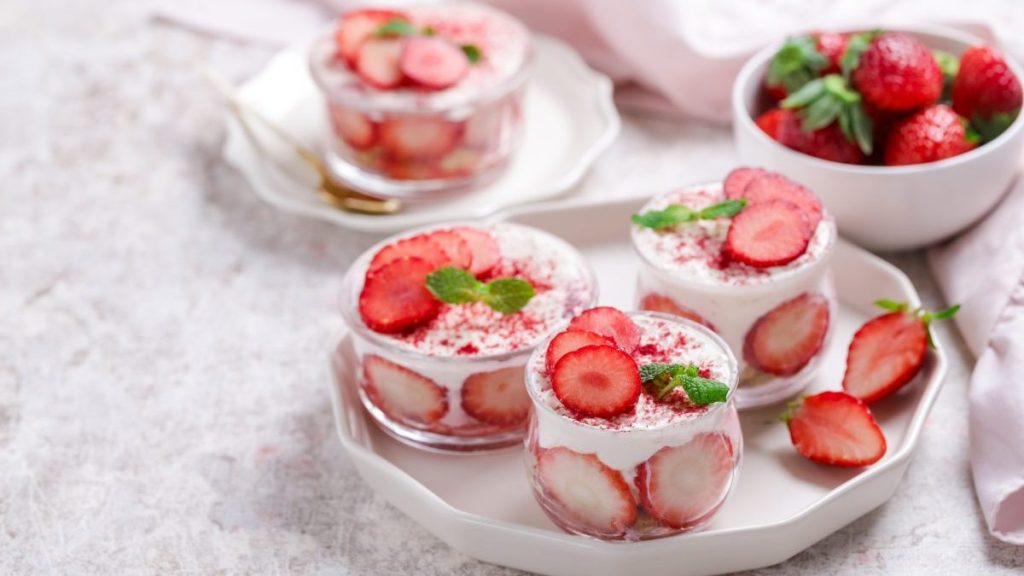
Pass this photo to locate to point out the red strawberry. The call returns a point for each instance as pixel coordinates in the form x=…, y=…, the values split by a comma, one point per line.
x=459, y=253
x=486, y=253
x=433, y=62
x=395, y=297
x=571, y=341
x=681, y=486
x=776, y=92
x=767, y=234
x=356, y=27
x=736, y=180
x=595, y=496
x=377, y=62
x=355, y=129
x=597, y=381
x=831, y=45
x=827, y=143
x=460, y=163
x=929, y=135
x=419, y=246
x=897, y=73
x=837, y=429
x=770, y=121
x=403, y=394
x=771, y=186
x=885, y=354
x=658, y=303
x=413, y=137
x=986, y=91
x=608, y=321
x=497, y=397
x=411, y=169
x=788, y=336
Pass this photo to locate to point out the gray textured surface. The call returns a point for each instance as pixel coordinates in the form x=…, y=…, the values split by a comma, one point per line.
x=162, y=336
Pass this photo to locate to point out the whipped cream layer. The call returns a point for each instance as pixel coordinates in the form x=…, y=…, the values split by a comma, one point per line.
x=626, y=440
x=503, y=41
x=694, y=250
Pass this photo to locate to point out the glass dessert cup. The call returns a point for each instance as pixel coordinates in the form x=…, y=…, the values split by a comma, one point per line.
x=734, y=307
x=415, y=144
x=430, y=398
x=706, y=447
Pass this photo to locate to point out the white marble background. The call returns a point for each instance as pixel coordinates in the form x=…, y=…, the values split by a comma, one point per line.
x=162, y=336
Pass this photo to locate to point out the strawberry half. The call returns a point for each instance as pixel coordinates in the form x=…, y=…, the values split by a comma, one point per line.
x=433, y=62
x=402, y=394
x=486, y=252
x=497, y=397
x=587, y=490
x=681, y=486
x=786, y=338
x=767, y=234
x=395, y=297
x=608, y=321
x=355, y=27
x=772, y=186
x=571, y=341
x=597, y=381
x=458, y=251
x=885, y=354
x=835, y=428
x=414, y=137
x=377, y=62
x=658, y=303
x=353, y=128
x=419, y=246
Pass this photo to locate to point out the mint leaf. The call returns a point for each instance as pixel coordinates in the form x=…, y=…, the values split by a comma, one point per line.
x=457, y=286
x=863, y=130
x=429, y=31
x=943, y=314
x=703, y=391
x=726, y=209
x=675, y=214
x=472, y=52
x=855, y=47
x=795, y=64
x=891, y=305
x=805, y=95
x=396, y=27
x=923, y=315
x=661, y=379
x=650, y=372
x=991, y=127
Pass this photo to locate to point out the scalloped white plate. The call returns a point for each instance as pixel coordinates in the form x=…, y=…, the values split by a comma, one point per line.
x=782, y=504
x=569, y=115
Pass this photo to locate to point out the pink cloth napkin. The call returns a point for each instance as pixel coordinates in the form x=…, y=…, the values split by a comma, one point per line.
x=679, y=58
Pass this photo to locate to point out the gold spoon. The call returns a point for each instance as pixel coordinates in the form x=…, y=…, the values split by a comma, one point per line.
x=334, y=193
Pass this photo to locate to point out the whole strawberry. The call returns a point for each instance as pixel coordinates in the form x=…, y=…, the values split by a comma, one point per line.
x=986, y=91
x=831, y=45
x=929, y=135
x=827, y=143
x=895, y=72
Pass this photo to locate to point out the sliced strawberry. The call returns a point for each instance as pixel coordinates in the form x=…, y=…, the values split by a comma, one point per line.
x=419, y=246
x=484, y=128
x=788, y=336
x=411, y=169
x=403, y=394
x=355, y=129
x=433, y=62
x=571, y=341
x=460, y=163
x=356, y=27
x=497, y=397
x=772, y=186
x=413, y=137
x=608, y=321
x=593, y=495
x=657, y=303
x=767, y=234
x=597, y=381
x=395, y=297
x=486, y=253
x=377, y=62
x=459, y=253
x=885, y=354
x=681, y=486
x=837, y=429
x=736, y=181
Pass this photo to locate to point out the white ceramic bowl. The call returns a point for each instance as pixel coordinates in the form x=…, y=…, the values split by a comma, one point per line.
x=880, y=207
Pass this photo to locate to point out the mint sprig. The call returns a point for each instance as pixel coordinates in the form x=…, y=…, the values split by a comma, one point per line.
x=796, y=63
x=472, y=52
x=675, y=214
x=457, y=286
x=661, y=379
x=924, y=315
x=830, y=99
x=396, y=27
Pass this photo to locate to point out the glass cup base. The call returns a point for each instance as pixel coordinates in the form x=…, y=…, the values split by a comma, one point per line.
x=409, y=190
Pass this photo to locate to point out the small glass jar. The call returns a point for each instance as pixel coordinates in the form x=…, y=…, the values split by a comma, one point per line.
x=734, y=300
x=416, y=144
x=456, y=383
x=647, y=474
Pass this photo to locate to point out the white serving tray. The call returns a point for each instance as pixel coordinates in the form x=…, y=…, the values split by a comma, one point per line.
x=482, y=506
x=569, y=119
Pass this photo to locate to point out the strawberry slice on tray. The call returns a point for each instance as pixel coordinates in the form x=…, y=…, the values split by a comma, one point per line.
x=589, y=491
x=402, y=394
x=680, y=486
x=787, y=337
x=835, y=428
x=497, y=397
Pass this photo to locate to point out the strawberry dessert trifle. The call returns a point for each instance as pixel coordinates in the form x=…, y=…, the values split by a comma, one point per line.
x=749, y=259
x=635, y=433
x=422, y=101
x=443, y=321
